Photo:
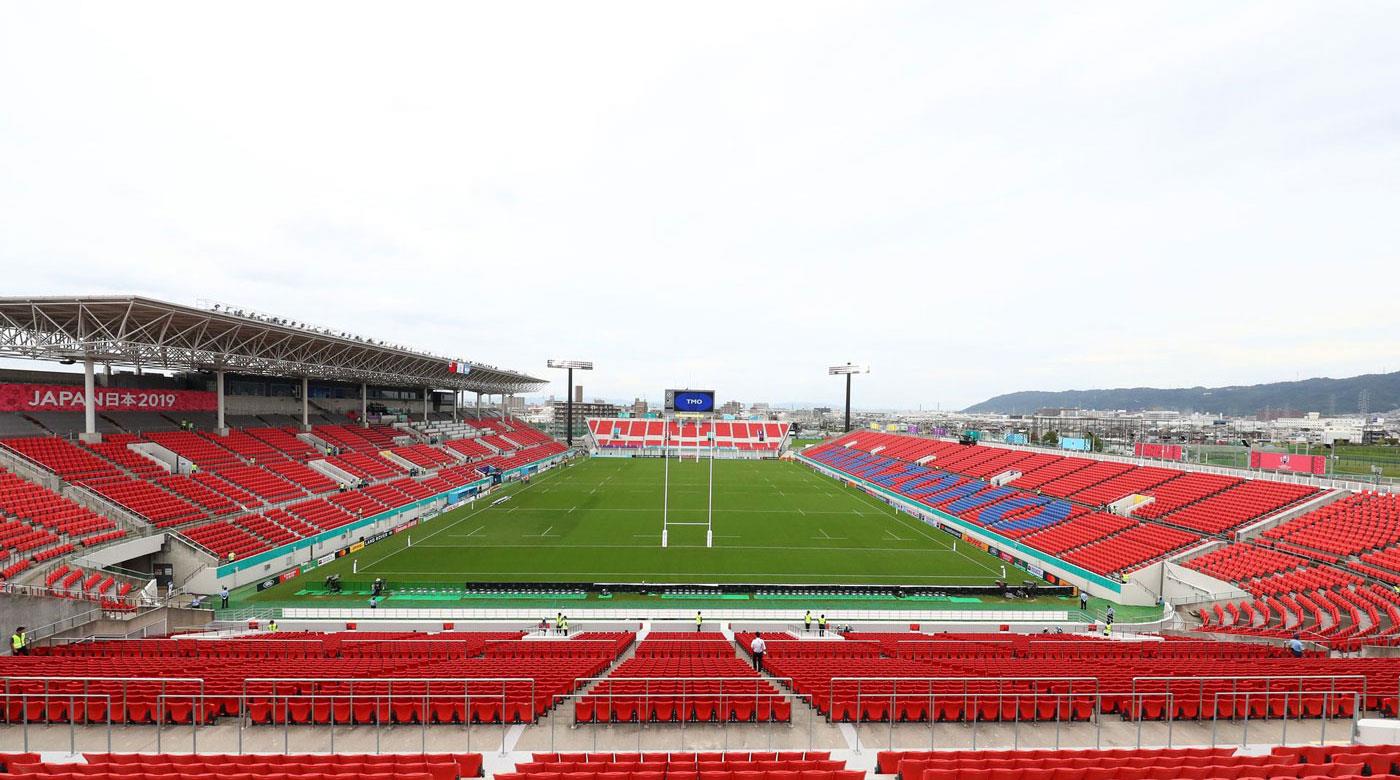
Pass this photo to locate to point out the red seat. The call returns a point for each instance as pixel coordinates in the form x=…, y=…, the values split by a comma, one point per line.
x=584, y=710
x=406, y=711
x=741, y=709
x=663, y=709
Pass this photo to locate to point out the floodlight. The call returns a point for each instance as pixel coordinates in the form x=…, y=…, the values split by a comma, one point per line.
x=570, y=365
x=848, y=370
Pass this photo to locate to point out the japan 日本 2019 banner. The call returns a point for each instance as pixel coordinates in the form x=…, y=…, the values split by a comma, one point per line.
x=68, y=398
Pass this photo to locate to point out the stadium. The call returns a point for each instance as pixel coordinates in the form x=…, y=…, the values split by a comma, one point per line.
x=445, y=571
x=243, y=543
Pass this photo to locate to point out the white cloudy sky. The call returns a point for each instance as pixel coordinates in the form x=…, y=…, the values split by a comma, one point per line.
x=973, y=198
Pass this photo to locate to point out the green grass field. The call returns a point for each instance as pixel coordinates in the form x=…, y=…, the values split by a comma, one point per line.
x=600, y=521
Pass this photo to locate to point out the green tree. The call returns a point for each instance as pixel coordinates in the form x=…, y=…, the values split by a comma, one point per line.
x=1050, y=438
x=1095, y=443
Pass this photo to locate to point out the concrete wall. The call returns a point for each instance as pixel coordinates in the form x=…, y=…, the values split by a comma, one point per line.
x=1181, y=585
x=255, y=405
x=334, y=472
x=37, y=611
x=121, y=552
x=190, y=564
x=150, y=623
x=160, y=455
x=29, y=470
x=1375, y=651
x=339, y=407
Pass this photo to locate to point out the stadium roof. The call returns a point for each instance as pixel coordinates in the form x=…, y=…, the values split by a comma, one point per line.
x=154, y=335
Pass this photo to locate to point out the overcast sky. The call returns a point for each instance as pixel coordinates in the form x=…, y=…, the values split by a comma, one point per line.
x=973, y=198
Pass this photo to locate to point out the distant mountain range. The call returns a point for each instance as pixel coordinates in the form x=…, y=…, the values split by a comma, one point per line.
x=1325, y=395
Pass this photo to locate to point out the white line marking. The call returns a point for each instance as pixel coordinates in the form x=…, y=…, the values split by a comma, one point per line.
x=451, y=525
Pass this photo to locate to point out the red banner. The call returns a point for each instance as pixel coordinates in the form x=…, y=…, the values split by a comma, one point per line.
x=1164, y=451
x=1283, y=461
x=70, y=398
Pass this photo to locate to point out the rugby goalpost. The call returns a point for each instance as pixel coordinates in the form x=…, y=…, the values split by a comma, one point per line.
x=666, y=521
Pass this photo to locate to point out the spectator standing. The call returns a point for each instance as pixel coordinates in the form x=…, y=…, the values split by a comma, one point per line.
x=757, y=649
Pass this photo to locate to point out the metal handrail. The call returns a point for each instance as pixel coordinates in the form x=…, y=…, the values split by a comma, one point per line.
x=280, y=702
x=1000, y=682
x=125, y=685
x=71, y=698
x=561, y=698
x=1063, y=710
x=1358, y=706
x=49, y=629
x=1267, y=678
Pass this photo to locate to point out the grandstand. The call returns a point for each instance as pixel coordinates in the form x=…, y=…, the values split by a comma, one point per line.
x=408, y=556
x=1096, y=516
x=594, y=689
x=232, y=497
x=623, y=436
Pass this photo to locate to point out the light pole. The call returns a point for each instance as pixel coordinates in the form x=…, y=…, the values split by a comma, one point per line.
x=570, y=365
x=848, y=370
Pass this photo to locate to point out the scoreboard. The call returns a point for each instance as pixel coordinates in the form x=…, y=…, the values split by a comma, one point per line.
x=690, y=401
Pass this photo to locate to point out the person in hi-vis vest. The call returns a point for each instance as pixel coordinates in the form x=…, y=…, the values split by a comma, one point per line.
x=698, y=621
x=19, y=642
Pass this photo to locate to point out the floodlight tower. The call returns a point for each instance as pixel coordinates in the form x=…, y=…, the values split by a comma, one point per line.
x=848, y=370
x=582, y=365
